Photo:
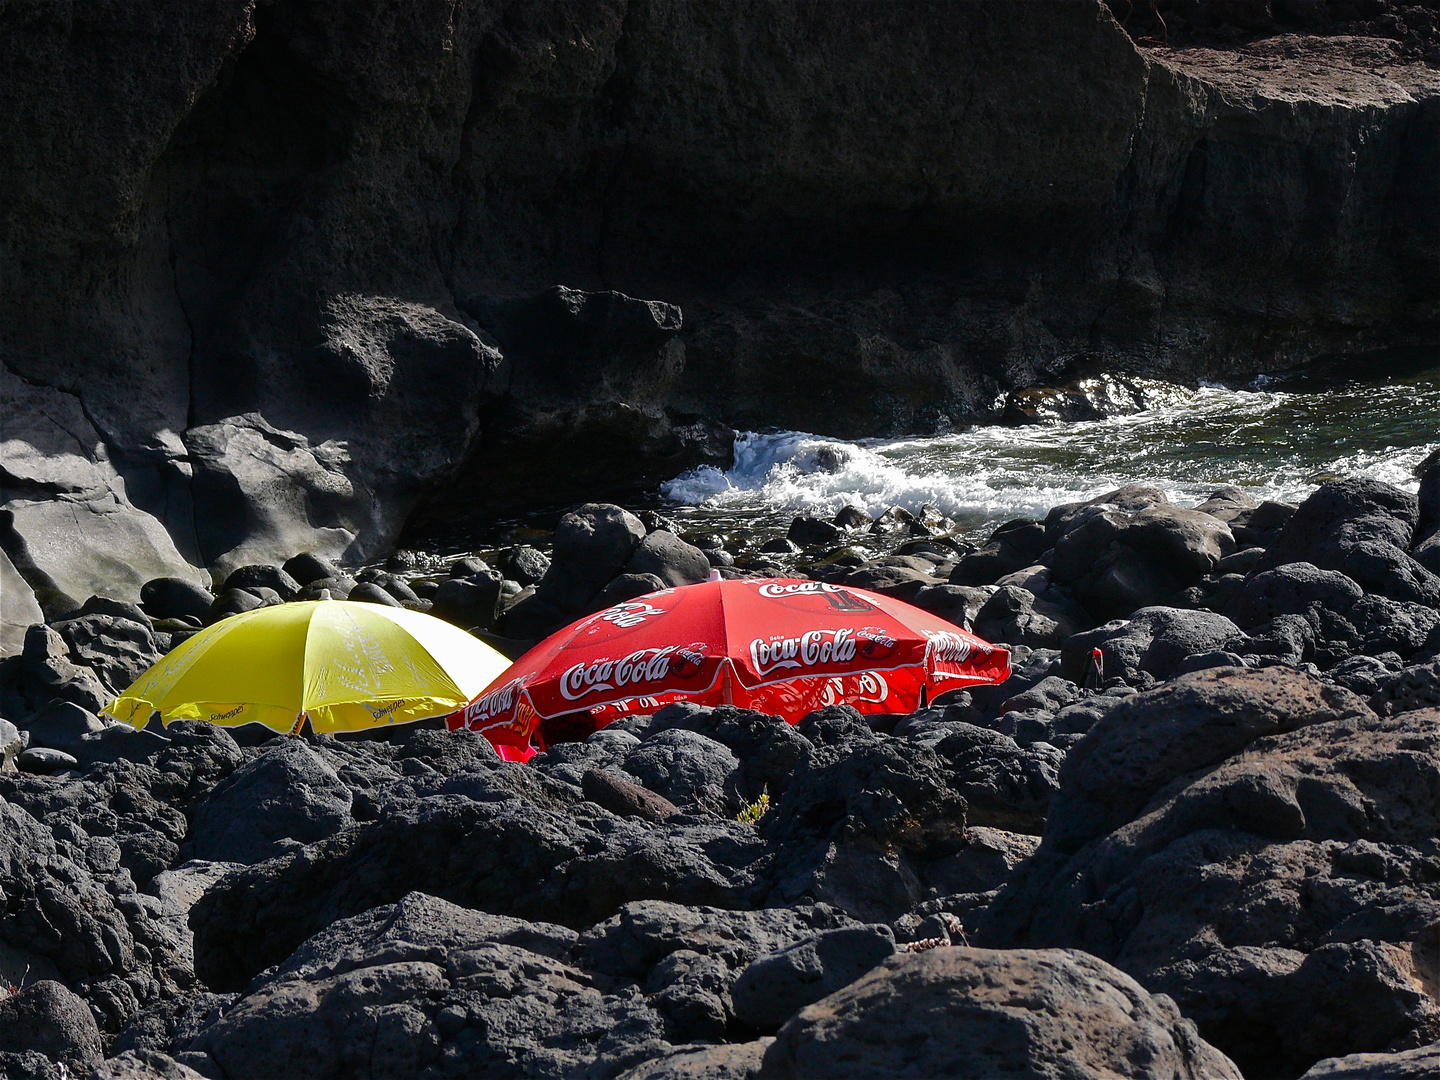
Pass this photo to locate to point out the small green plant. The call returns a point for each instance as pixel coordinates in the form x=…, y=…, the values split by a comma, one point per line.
x=754, y=811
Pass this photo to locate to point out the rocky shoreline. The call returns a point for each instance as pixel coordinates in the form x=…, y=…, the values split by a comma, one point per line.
x=1214, y=856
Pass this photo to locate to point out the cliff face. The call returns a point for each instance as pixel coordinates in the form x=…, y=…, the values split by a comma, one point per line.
x=275, y=254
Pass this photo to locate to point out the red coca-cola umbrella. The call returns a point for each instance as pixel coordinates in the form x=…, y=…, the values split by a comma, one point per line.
x=780, y=645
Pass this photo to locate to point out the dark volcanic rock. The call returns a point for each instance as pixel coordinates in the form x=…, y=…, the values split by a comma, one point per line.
x=423, y=985
x=467, y=602
x=307, y=567
x=1014, y=545
x=621, y=797
x=591, y=374
x=1153, y=642
x=175, y=598
x=1271, y=866
x=1362, y=528
x=687, y=769
x=768, y=748
x=61, y=725
x=808, y=532
x=287, y=793
x=626, y=587
x=45, y=671
x=1035, y=1013
x=1422, y=1061
x=510, y=853
x=1016, y=616
x=1004, y=785
x=1197, y=720
x=261, y=575
x=1296, y=588
x=1118, y=560
x=664, y=555
x=592, y=545
x=774, y=988
x=48, y=1019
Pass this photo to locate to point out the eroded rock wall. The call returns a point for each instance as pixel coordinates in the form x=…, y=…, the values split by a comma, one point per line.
x=302, y=224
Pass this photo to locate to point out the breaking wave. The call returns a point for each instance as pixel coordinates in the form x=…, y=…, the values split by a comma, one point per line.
x=1274, y=444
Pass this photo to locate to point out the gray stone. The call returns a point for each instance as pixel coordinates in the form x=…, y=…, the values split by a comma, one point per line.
x=468, y=602
x=144, y=1065
x=367, y=593
x=11, y=744
x=1012, y=546
x=422, y=978
x=809, y=532
x=118, y=649
x=987, y=861
x=48, y=673
x=287, y=793
x=592, y=544
x=1132, y=498
x=1036, y=1013
x=958, y=604
x=667, y=557
x=336, y=588
x=175, y=598
x=561, y=862
x=1017, y=616
x=1268, y=885
x=18, y=608
x=416, y=927
x=1297, y=588
x=770, y=990
x=1414, y=687
x=1420, y=1063
x=1362, y=528
x=901, y=582
x=61, y=725
x=726, y=1061
x=171, y=894
x=631, y=943
x=1195, y=721
x=262, y=575
x=620, y=796
x=67, y=524
x=307, y=567
x=1154, y=641
x=48, y=1018
x=688, y=769
x=43, y=762
x=233, y=602
x=625, y=587
x=523, y=563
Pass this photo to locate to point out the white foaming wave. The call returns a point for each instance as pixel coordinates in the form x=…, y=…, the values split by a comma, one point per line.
x=804, y=473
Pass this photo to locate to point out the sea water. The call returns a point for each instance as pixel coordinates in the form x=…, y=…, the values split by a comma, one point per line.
x=1274, y=441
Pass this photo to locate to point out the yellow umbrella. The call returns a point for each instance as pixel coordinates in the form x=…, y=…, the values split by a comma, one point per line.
x=348, y=667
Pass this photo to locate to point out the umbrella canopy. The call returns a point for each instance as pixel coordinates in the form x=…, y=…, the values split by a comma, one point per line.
x=347, y=666
x=783, y=646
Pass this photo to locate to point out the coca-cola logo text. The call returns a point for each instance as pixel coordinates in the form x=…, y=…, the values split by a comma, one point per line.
x=642, y=666
x=630, y=614
x=948, y=648
x=495, y=703
x=867, y=686
x=811, y=649
x=794, y=588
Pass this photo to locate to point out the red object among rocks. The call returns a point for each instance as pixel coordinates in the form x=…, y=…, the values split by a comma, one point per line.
x=779, y=645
